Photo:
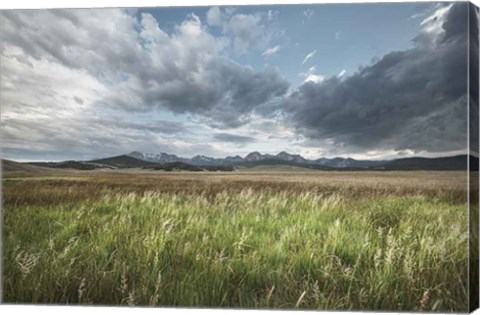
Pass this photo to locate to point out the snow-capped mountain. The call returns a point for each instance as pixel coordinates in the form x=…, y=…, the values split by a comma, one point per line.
x=253, y=157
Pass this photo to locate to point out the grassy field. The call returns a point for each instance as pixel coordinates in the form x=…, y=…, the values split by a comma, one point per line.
x=320, y=240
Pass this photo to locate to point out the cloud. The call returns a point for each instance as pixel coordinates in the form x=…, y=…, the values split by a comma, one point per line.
x=66, y=73
x=342, y=73
x=226, y=137
x=413, y=99
x=47, y=34
x=48, y=112
x=311, y=76
x=309, y=56
x=271, y=51
x=247, y=91
x=337, y=35
x=247, y=31
x=315, y=78
x=135, y=68
x=101, y=82
x=438, y=14
x=214, y=16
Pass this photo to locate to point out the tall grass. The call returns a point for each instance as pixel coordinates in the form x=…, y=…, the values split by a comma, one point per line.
x=248, y=249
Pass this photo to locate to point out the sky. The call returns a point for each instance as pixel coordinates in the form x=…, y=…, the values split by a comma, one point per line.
x=368, y=81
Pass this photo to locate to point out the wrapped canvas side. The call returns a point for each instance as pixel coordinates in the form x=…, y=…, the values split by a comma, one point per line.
x=473, y=153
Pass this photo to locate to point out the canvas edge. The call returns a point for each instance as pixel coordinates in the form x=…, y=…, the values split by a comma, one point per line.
x=473, y=150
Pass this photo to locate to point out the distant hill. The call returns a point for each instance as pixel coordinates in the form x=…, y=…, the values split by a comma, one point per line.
x=127, y=161
x=78, y=165
x=124, y=161
x=284, y=159
x=11, y=166
x=458, y=162
x=179, y=166
x=339, y=162
x=474, y=163
x=254, y=160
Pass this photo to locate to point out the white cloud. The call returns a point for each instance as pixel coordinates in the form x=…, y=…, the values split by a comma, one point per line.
x=271, y=51
x=315, y=78
x=150, y=30
x=34, y=88
x=312, y=76
x=342, y=73
x=247, y=31
x=309, y=56
x=438, y=14
x=244, y=31
x=214, y=16
x=432, y=27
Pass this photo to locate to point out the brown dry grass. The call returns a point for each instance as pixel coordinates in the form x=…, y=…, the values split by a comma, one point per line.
x=55, y=188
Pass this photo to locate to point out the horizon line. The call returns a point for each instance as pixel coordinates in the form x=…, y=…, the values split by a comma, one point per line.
x=219, y=158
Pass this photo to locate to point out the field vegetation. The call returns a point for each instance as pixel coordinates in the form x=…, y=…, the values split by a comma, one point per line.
x=319, y=240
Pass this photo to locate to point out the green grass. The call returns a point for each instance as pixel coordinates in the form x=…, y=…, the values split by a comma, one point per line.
x=248, y=249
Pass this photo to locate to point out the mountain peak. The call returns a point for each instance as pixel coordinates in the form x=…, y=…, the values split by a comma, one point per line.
x=137, y=155
x=285, y=156
x=254, y=156
x=284, y=153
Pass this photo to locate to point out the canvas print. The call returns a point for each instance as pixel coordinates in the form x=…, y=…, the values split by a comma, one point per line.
x=316, y=157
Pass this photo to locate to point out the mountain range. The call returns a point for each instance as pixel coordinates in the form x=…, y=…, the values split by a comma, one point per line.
x=253, y=159
x=170, y=162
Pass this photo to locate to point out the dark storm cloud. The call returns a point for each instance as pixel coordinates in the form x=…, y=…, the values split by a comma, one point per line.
x=228, y=91
x=413, y=99
x=226, y=137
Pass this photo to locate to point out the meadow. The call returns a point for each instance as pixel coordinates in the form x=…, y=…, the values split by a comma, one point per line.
x=319, y=240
